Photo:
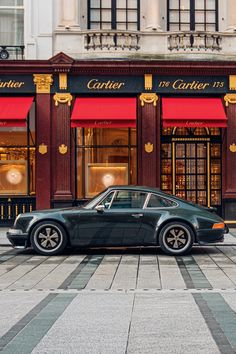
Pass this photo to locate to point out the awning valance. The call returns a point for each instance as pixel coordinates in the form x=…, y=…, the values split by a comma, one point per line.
x=193, y=112
x=14, y=111
x=104, y=112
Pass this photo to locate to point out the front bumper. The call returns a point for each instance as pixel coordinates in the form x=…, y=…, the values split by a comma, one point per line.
x=17, y=238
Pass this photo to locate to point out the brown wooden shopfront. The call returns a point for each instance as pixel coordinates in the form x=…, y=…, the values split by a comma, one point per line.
x=67, y=158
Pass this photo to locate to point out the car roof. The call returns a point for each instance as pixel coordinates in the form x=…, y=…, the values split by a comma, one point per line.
x=135, y=187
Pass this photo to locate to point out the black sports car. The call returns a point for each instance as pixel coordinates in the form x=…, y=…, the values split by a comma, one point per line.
x=120, y=216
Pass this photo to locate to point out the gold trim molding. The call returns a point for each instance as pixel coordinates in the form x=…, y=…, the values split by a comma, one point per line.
x=148, y=147
x=148, y=98
x=232, y=147
x=63, y=81
x=62, y=98
x=43, y=82
x=43, y=149
x=230, y=98
x=232, y=82
x=62, y=149
x=148, y=81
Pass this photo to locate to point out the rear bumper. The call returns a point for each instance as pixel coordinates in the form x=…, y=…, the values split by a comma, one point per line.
x=17, y=239
x=210, y=236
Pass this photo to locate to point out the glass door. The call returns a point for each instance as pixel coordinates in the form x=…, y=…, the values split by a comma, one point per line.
x=191, y=168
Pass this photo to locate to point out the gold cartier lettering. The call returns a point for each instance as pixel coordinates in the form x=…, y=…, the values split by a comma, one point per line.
x=11, y=84
x=95, y=84
x=193, y=85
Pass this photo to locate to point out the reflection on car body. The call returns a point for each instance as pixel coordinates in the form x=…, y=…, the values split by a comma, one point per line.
x=120, y=216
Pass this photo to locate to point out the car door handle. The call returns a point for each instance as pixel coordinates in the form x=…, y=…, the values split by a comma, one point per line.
x=137, y=215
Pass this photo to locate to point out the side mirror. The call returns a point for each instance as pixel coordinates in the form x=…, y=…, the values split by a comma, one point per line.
x=100, y=208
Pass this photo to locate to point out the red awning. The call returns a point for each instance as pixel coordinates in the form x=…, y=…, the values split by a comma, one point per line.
x=193, y=112
x=104, y=112
x=14, y=111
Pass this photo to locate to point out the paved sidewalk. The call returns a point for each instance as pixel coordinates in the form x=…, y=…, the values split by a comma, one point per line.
x=230, y=239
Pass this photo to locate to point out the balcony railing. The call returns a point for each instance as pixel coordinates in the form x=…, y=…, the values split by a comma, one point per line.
x=12, y=52
x=112, y=40
x=195, y=42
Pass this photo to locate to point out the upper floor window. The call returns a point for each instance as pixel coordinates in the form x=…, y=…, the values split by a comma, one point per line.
x=11, y=23
x=114, y=14
x=192, y=15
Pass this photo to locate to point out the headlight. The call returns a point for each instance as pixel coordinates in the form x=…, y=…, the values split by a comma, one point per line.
x=218, y=225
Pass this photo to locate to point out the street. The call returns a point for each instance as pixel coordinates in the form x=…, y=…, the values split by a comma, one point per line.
x=119, y=301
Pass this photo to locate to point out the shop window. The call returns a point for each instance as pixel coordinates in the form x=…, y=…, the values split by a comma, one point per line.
x=191, y=164
x=192, y=15
x=114, y=14
x=105, y=157
x=11, y=23
x=17, y=159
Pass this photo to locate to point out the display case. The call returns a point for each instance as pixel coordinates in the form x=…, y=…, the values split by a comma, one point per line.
x=13, y=177
x=102, y=175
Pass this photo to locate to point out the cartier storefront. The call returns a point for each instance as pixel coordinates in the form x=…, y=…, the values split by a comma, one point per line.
x=69, y=129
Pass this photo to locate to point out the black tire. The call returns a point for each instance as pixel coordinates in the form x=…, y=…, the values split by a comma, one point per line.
x=48, y=238
x=176, y=238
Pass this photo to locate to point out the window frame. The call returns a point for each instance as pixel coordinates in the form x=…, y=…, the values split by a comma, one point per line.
x=114, y=10
x=192, y=13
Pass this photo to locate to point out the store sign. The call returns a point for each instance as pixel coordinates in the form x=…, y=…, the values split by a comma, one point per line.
x=103, y=84
x=187, y=84
x=135, y=84
x=16, y=84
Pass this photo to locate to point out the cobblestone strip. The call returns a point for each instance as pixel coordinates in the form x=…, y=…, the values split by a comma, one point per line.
x=192, y=274
x=80, y=277
x=220, y=319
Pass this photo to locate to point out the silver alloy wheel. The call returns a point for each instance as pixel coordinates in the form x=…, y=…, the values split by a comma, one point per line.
x=48, y=238
x=177, y=238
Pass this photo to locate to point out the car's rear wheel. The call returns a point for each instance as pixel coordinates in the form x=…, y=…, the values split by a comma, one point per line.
x=176, y=238
x=48, y=238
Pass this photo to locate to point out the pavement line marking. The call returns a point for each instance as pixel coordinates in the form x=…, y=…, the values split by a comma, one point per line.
x=212, y=307
x=192, y=274
x=13, y=331
x=28, y=335
x=79, y=278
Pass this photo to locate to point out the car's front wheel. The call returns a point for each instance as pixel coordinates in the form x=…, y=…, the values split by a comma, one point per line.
x=176, y=238
x=48, y=238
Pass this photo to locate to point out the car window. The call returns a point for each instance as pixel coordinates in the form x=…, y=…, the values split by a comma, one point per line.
x=157, y=201
x=128, y=199
x=107, y=201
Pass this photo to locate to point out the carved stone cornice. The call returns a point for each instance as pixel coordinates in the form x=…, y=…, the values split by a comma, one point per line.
x=62, y=98
x=148, y=98
x=43, y=82
x=230, y=98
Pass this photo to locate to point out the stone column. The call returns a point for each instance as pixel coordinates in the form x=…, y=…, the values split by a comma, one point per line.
x=69, y=13
x=231, y=15
x=153, y=15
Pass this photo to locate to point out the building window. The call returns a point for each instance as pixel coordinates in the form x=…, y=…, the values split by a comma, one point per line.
x=17, y=159
x=114, y=14
x=11, y=23
x=192, y=15
x=105, y=157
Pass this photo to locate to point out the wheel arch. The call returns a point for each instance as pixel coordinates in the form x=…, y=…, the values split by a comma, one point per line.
x=164, y=223
x=48, y=220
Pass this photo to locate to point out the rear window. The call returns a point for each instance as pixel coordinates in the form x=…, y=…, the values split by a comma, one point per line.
x=157, y=201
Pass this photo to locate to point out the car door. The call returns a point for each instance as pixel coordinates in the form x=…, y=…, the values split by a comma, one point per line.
x=115, y=221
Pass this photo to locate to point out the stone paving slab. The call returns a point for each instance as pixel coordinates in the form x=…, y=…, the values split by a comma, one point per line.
x=121, y=301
